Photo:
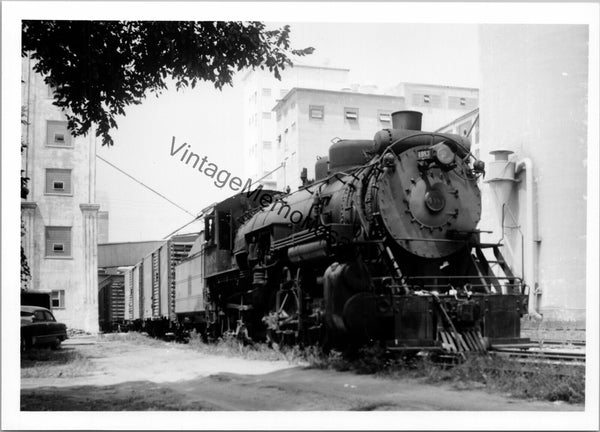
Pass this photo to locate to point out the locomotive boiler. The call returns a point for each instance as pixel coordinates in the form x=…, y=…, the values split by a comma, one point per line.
x=381, y=246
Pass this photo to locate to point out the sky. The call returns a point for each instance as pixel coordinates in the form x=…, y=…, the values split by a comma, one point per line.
x=211, y=122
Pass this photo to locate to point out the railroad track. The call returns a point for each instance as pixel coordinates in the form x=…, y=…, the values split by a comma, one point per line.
x=531, y=354
x=552, y=342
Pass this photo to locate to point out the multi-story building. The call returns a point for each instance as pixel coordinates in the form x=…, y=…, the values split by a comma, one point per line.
x=261, y=93
x=59, y=212
x=309, y=119
x=439, y=104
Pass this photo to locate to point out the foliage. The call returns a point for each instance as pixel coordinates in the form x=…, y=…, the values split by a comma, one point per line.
x=25, y=270
x=97, y=68
x=545, y=381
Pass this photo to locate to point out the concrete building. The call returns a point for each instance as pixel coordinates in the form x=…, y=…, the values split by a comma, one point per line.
x=261, y=93
x=439, y=104
x=534, y=104
x=60, y=211
x=309, y=119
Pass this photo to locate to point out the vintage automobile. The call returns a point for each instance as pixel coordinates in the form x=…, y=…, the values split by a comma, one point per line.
x=39, y=328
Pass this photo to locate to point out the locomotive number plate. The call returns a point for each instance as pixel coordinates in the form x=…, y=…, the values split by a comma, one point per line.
x=424, y=154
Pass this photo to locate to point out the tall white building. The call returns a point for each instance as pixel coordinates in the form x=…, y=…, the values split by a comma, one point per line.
x=261, y=92
x=59, y=213
x=534, y=87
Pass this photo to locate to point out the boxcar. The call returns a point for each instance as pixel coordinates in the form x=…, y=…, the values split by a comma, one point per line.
x=150, y=285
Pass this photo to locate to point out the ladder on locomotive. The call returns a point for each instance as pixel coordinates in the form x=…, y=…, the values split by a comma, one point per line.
x=488, y=278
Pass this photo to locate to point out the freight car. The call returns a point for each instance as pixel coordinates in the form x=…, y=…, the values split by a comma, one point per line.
x=382, y=246
x=150, y=287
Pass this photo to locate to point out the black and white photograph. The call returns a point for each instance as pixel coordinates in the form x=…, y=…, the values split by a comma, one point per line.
x=301, y=215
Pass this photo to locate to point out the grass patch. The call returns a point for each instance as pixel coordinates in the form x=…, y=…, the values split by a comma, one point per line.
x=231, y=346
x=47, y=363
x=541, y=381
x=131, y=338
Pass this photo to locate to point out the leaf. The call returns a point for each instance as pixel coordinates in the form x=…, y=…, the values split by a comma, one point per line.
x=98, y=68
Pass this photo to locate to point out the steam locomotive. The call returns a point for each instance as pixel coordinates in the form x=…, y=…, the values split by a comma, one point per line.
x=381, y=246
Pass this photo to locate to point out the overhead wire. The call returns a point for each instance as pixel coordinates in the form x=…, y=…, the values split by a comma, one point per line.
x=203, y=211
x=144, y=185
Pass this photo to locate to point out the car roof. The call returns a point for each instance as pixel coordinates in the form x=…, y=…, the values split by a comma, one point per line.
x=33, y=308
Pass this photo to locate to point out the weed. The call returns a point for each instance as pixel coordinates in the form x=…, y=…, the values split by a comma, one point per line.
x=131, y=338
x=229, y=345
x=540, y=381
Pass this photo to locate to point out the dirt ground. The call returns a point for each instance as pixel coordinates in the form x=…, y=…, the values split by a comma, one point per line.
x=117, y=375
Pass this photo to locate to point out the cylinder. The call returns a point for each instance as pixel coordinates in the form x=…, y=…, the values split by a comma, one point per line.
x=407, y=120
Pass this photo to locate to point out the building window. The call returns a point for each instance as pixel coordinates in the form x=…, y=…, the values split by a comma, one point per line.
x=266, y=115
x=463, y=101
x=385, y=117
x=57, y=134
x=57, y=299
x=58, y=242
x=316, y=112
x=351, y=114
x=266, y=145
x=58, y=181
x=426, y=99
x=293, y=105
x=266, y=92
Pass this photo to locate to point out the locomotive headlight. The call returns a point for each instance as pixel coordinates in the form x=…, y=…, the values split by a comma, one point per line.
x=443, y=154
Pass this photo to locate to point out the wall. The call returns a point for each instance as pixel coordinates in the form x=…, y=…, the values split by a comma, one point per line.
x=534, y=102
x=75, y=274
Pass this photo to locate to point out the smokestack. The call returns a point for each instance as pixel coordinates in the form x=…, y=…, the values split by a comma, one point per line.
x=407, y=120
